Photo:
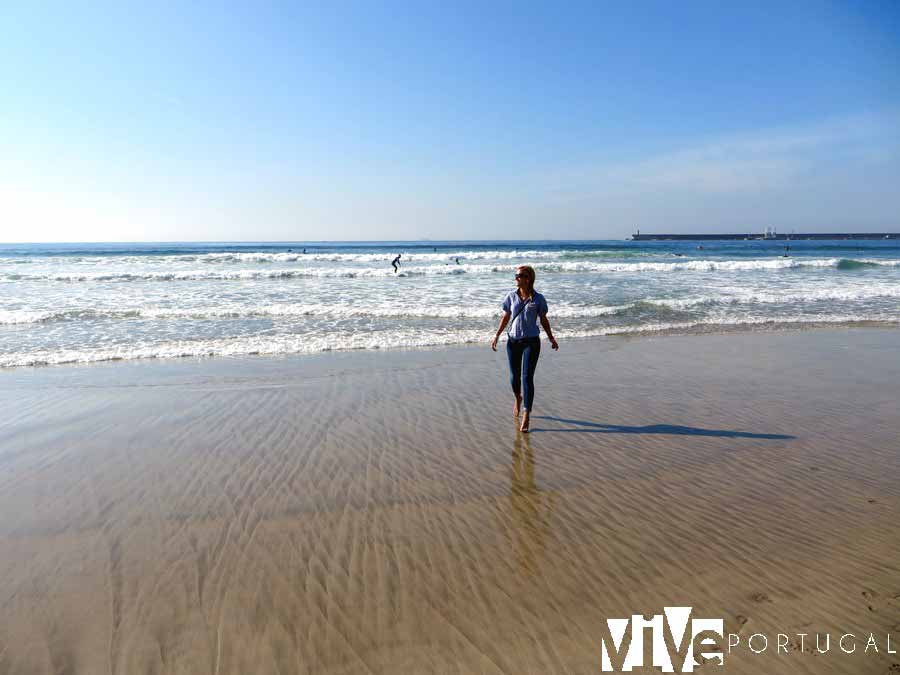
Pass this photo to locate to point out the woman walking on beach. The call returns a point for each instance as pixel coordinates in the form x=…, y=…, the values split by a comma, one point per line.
x=522, y=309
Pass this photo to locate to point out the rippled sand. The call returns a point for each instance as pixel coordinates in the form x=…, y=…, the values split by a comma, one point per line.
x=379, y=513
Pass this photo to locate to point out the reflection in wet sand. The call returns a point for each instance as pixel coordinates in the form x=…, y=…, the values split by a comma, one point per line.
x=532, y=506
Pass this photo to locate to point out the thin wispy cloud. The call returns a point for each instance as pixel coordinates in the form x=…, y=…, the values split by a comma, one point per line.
x=836, y=173
x=751, y=161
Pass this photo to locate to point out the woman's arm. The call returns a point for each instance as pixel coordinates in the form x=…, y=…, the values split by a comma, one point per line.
x=504, y=319
x=545, y=322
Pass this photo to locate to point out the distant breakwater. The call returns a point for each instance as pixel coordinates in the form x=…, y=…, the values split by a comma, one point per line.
x=809, y=236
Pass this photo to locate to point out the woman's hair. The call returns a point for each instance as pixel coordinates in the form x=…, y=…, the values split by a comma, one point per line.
x=528, y=271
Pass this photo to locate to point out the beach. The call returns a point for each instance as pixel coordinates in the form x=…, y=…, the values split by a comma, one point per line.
x=377, y=511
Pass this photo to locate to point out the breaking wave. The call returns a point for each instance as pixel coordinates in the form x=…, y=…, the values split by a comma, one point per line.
x=305, y=344
x=452, y=270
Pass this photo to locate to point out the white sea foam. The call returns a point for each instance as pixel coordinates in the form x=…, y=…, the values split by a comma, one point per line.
x=390, y=309
x=244, y=274
x=880, y=261
x=436, y=270
x=11, y=317
x=695, y=265
x=331, y=310
x=382, y=257
x=789, y=296
x=398, y=339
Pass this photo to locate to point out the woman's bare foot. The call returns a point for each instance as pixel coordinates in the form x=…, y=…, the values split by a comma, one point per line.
x=517, y=406
x=525, y=421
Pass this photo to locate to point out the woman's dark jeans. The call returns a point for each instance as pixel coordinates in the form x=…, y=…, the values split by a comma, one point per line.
x=523, y=357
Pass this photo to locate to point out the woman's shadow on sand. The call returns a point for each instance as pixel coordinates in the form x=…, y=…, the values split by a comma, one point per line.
x=668, y=429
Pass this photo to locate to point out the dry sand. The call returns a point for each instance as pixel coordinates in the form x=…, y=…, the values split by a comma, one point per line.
x=379, y=513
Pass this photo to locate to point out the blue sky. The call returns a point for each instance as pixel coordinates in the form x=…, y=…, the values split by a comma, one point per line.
x=446, y=120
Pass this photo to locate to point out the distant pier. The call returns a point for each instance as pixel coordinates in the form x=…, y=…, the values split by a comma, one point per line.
x=769, y=236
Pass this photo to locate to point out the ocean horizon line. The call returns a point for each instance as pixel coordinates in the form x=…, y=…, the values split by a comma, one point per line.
x=241, y=242
x=293, y=241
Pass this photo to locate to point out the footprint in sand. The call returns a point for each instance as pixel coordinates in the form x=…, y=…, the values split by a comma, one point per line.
x=760, y=597
x=795, y=646
x=895, y=604
x=736, y=624
x=870, y=599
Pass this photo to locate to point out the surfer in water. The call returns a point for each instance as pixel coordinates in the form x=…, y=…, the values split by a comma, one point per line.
x=395, y=263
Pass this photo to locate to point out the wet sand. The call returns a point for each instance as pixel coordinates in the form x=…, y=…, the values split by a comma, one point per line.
x=379, y=513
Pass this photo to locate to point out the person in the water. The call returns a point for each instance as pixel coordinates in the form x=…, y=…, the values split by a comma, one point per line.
x=522, y=309
x=395, y=263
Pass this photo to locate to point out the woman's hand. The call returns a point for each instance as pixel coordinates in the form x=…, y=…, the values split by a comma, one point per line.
x=504, y=319
x=545, y=322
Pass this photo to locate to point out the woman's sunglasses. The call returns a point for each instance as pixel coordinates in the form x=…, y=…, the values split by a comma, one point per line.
x=521, y=276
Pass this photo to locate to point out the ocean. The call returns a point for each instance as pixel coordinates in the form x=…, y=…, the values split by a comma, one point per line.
x=79, y=303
